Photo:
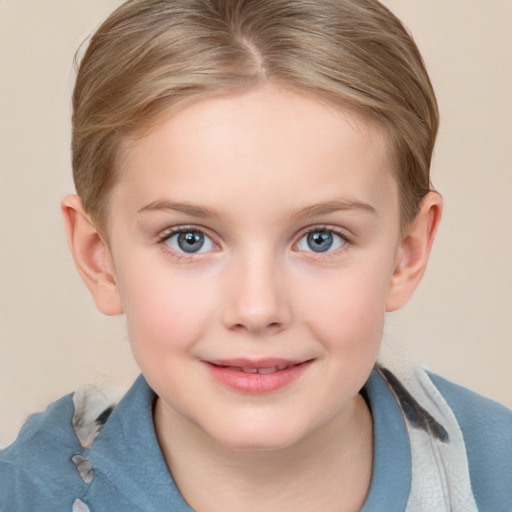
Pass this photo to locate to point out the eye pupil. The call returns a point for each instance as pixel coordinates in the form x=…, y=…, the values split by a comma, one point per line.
x=320, y=241
x=192, y=241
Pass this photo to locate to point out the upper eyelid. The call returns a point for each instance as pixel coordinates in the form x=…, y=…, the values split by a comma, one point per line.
x=324, y=227
x=171, y=231
x=168, y=232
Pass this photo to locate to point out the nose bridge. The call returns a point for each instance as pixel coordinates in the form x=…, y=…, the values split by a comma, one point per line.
x=258, y=300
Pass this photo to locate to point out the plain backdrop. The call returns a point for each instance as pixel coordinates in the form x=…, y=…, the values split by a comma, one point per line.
x=458, y=324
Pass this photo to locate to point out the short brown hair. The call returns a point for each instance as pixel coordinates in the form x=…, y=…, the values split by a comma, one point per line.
x=151, y=54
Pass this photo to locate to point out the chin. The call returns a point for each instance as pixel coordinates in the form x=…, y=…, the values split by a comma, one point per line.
x=259, y=438
x=258, y=446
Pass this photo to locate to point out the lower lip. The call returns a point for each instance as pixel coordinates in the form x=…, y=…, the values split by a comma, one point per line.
x=257, y=383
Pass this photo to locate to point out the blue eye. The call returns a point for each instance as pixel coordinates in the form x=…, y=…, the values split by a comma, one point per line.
x=321, y=240
x=190, y=241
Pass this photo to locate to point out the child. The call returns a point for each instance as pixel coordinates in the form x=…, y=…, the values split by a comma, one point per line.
x=254, y=195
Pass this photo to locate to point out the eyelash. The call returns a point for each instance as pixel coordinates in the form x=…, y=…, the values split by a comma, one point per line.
x=328, y=229
x=181, y=256
x=167, y=235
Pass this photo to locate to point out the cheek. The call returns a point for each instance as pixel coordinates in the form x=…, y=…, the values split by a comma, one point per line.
x=347, y=312
x=163, y=308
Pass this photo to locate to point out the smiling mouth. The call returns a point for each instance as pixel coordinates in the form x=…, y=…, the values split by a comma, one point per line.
x=257, y=377
x=261, y=371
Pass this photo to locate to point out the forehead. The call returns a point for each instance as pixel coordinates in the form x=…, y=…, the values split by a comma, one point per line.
x=267, y=144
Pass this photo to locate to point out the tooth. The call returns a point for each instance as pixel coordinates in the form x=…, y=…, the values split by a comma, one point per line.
x=267, y=370
x=282, y=367
x=250, y=370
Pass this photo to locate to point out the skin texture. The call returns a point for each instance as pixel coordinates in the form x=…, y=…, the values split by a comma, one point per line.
x=256, y=173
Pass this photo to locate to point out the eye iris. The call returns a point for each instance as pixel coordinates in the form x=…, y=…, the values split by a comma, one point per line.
x=320, y=241
x=191, y=241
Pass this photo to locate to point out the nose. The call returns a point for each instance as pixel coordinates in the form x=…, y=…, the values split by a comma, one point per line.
x=258, y=297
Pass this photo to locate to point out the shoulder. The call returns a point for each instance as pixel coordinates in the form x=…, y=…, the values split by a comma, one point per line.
x=38, y=464
x=486, y=425
x=82, y=453
x=467, y=436
x=487, y=431
x=39, y=470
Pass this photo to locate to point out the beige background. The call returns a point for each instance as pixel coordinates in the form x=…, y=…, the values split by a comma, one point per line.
x=51, y=337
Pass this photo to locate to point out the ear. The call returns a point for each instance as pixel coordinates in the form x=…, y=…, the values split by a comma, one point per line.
x=92, y=256
x=414, y=250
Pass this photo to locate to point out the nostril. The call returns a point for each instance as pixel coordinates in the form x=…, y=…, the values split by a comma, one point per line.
x=254, y=327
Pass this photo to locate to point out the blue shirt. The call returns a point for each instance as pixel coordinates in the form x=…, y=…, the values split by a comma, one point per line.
x=47, y=469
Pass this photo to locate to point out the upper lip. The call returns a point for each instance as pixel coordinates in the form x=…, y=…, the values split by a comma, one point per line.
x=255, y=363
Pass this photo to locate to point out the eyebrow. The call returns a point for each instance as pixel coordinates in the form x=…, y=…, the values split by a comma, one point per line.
x=189, y=209
x=335, y=206
x=309, y=211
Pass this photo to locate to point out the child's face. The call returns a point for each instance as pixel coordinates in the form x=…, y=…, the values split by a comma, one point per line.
x=249, y=233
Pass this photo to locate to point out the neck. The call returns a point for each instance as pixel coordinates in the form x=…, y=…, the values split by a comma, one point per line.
x=329, y=470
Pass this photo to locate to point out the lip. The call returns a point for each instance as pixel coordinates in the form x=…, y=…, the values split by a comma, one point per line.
x=256, y=376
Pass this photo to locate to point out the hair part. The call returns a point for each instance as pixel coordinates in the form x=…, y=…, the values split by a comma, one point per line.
x=150, y=55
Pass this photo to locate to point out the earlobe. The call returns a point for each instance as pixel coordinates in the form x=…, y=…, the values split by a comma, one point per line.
x=414, y=251
x=92, y=256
